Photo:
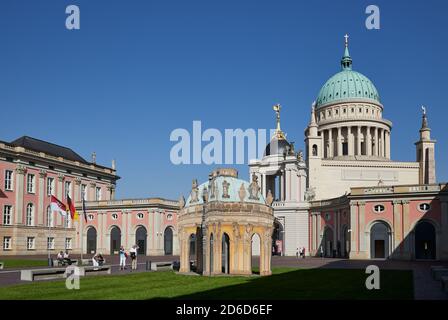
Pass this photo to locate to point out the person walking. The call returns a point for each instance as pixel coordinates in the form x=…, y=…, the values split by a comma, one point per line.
x=297, y=253
x=133, y=254
x=303, y=253
x=123, y=256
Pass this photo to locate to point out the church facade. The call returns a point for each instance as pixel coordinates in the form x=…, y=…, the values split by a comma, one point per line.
x=346, y=197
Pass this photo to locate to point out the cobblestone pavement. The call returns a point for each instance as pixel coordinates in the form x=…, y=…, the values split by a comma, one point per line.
x=424, y=286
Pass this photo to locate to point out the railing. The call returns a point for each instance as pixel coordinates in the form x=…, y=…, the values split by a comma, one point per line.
x=398, y=189
x=129, y=202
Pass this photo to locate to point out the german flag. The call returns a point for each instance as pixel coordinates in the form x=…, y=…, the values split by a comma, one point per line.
x=71, y=208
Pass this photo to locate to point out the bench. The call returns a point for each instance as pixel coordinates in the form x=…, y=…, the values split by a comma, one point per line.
x=42, y=274
x=155, y=266
x=439, y=273
x=444, y=281
x=93, y=270
x=2, y=264
x=86, y=262
x=58, y=263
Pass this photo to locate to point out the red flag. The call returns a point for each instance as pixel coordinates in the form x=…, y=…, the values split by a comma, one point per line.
x=58, y=206
x=72, y=209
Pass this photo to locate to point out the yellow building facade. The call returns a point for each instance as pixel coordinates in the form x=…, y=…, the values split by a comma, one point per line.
x=221, y=222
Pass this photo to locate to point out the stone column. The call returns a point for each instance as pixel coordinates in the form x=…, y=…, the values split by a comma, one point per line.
x=398, y=232
x=263, y=185
x=130, y=235
x=42, y=192
x=124, y=223
x=354, y=230
x=184, y=263
x=388, y=144
x=339, y=141
x=77, y=195
x=407, y=249
x=351, y=144
x=358, y=141
x=368, y=142
x=330, y=143
x=361, y=226
x=375, y=139
x=20, y=189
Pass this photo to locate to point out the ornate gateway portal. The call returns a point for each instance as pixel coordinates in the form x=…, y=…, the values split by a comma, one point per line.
x=221, y=221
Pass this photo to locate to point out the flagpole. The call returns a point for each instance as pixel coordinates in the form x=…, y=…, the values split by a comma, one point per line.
x=49, y=234
x=82, y=231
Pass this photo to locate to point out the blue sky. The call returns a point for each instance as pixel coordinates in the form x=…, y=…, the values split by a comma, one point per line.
x=136, y=70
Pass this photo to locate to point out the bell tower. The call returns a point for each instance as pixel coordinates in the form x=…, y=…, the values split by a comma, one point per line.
x=425, y=148
x=313, y=142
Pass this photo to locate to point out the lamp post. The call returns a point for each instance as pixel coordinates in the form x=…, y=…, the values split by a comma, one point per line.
x=203, y=232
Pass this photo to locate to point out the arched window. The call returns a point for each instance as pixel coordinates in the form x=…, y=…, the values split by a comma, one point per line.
x=50, y=222
x=314, y=150
x=30, y=214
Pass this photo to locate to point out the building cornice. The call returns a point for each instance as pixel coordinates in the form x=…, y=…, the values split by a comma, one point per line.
x=93, y=169
x=130, y=204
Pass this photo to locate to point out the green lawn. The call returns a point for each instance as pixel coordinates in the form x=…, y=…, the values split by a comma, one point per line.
x=19, y=263
x=285, y=283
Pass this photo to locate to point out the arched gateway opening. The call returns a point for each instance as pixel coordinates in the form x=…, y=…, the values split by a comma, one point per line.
x=115, y=240
x=140, y=240
x=91, y=240
x=327, y=242
x=379, y=241
x=168, y=241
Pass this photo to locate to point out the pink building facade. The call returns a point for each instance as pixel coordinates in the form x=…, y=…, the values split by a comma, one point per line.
x=399, y=222
x=32, y=170
x=149, y=223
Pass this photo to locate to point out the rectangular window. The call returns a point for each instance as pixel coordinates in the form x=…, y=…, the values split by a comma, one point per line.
x=6, y=243
x=68, y=243
x=50, y=243
x=98, y=193
x=7, y=211
x=8, y=180
x=30, y=183
x=50, y=220
x=30, y=243
x=84, y=192
x=67, y=189
x=50, y=186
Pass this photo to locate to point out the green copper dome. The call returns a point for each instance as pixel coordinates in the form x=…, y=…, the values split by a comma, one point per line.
x=347, y=85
